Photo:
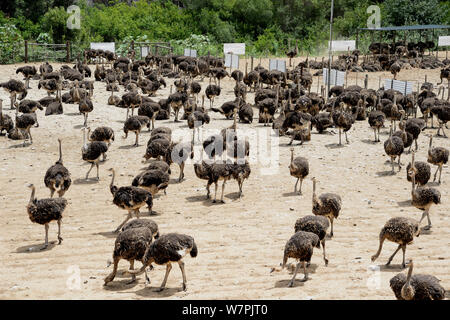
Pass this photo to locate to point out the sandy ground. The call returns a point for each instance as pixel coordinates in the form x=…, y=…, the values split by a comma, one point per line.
x=239, y=241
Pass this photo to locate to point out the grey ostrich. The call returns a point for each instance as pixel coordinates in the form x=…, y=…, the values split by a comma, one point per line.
x=152, y=181
x=92, y=152
x=140, y=223
x=317, y=225
x=416, y=287
x=167, y=249
x=136, y=124
x=394, y=147
x=105, y=134
x=57, y=176
x=85, y=106
x=44, y=211
x=328, y=205
x=437, y=156
x=423, y=197
x=401, y=231
x=6, y=122
x=376, y=121
x=23, y=123
x=131, y=245
x=129, y=198
x=300, y=247
x=299, y=168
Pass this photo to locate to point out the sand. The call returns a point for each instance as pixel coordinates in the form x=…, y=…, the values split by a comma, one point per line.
x=239, y=241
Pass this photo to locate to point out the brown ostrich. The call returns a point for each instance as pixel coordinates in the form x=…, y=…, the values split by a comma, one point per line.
x=299, y=168
x=328, y=205
x=165, y=250
x=416, y=287
x=399, y=230
x=57, y=176
x=44, y=211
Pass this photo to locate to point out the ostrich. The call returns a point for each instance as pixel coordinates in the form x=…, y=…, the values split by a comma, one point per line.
x=105, y=134
x=423, y=172
x=298, y=122
x=149, y=109
x=45, y=68
x=394, y=147
x=6, y=123
x=292, y=53
x=343, y=120
x=267, y=108
x=85, y=106
x=143, y=223
x=217, y=172
x=30, y=106
x=130, y=245
x=443, y=114
x=152, y=181
x=241, y=171
x=406, y=137
x=129, y=198
x=92, y=152
x=23, y=123
x=113, y=100
x=176, y=101
x=158, y=165
x=131, y=100
x=437, y=156
x=328, y=205
x=44, y=211
x=157, y=147
x=416, y=287
x=317, y=225
x=136, y=124
x=414, y=127
x=401, y=231
x=211, y=92
x=28, y=72
x=376, y=121
x=49, y=85
x=178, y=153
x=299, y=168
x=227, y=109
x=423, y=198
x=395, y=69
x=57, y=176
x=300, y=247
x=168, y=248
x=14, y=87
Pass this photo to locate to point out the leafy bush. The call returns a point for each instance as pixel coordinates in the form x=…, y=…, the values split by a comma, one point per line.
x=11, y=44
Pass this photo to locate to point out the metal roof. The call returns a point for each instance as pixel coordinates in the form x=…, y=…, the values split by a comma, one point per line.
x=417, y=27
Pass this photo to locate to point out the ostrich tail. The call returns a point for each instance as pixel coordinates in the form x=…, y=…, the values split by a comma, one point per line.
x=194, y=250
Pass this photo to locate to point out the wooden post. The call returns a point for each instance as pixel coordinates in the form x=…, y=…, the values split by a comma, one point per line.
x=26, y=51
x=68, y=51
x=132, y=44
x=366, y=81
x=251, y=63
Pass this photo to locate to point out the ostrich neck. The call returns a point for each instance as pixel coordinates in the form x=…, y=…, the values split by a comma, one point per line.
x=292, y=157
x=60, y=152
x=314, y=197
x=407, y=289
x=33, y=190
x=111, y=185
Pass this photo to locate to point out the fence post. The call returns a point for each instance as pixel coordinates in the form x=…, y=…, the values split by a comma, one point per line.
x=26, y=51
x=251, y=68
x=366, y=81
x=67, y=51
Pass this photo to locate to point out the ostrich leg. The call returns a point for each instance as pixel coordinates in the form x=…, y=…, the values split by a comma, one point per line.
x=393, y=255
x=404, y=251
x=87, y=174
x=163, y=284
x=133, y=276
x=291, y=283
x=46, y=237
x=59, y=232
x=123, y=223
x=181, y=264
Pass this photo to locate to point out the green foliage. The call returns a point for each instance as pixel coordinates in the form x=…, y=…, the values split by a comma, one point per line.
x=54, y=22
x=266, y=26
x=405, y=12
x=11, y=44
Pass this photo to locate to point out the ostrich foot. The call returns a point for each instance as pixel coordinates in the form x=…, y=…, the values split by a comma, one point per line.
x=159, y=289
x=133, y=280
x=60, y=240
x=45, y=246
x=184, y=287
x=428, y=227
x=291, y=284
